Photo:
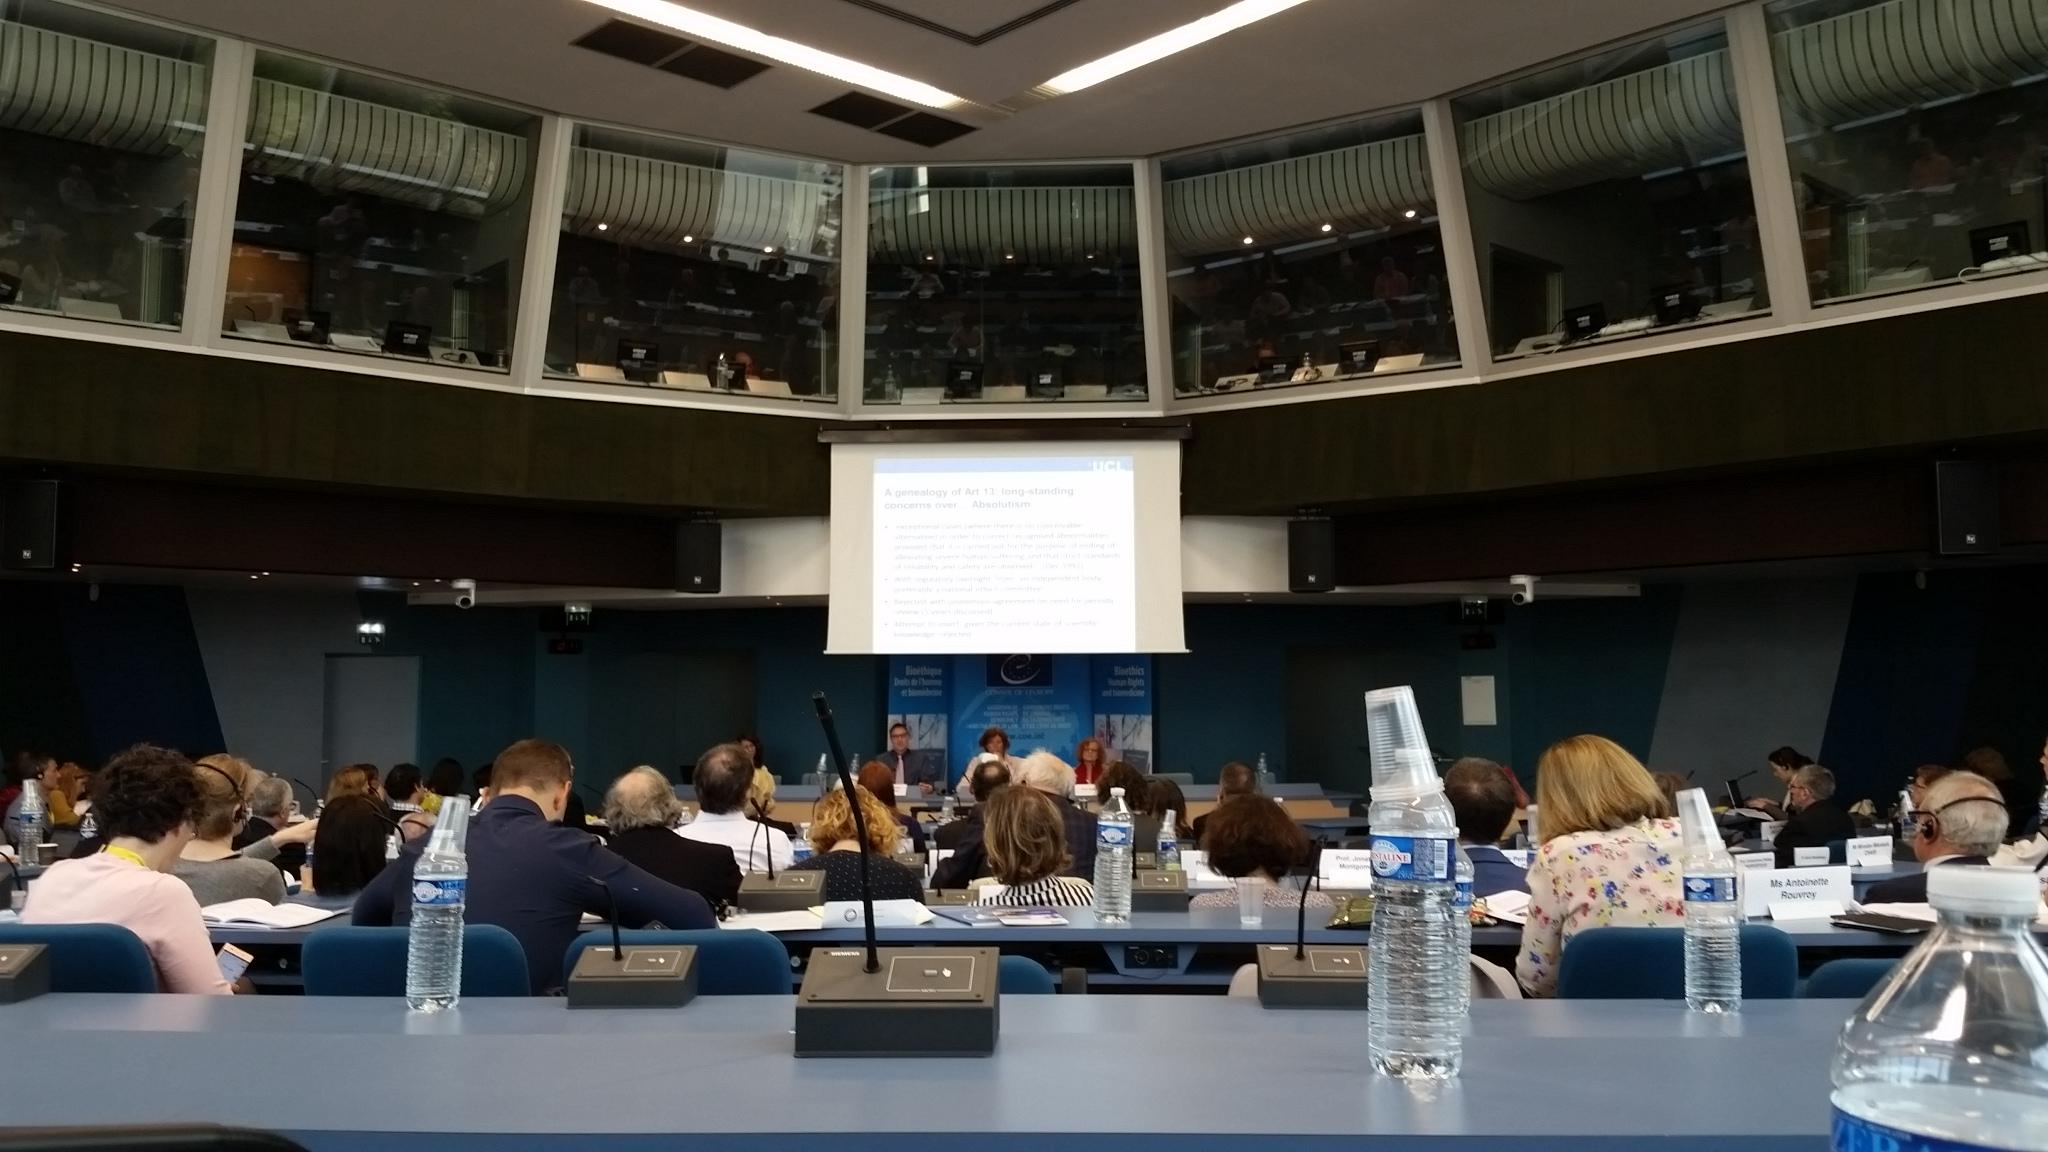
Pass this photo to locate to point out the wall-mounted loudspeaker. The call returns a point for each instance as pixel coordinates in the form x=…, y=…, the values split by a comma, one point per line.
x=1965, y=507
x=698, y=553
x=1311, y=554
x=28, y=526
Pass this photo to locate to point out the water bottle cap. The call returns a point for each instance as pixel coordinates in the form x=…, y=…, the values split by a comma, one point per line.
x=1116, y=791
x=1989, y=891
x=1696, y=821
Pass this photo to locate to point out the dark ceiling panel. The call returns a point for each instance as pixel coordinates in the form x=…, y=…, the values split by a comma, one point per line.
x=714, y=66
x=976, y=39
x=860, y=110
x=926, y=129
x=629, y=41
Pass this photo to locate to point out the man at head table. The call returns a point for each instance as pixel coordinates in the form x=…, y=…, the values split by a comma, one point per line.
x=920, y=772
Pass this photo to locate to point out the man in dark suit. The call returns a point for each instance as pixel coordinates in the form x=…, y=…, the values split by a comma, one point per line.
x=1816, y=819
x=926, y=774
x=270, y=810
x=1483, y=798
x=641, y=810
x=987, y=778
x=532, y=877
x=1961, y=820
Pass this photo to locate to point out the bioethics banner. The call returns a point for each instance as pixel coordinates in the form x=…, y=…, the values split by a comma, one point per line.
x=921, y=697
x=1122, y=691
x=1040, y=701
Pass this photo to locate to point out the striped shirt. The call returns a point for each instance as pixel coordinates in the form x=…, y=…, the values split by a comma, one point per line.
x=1052, y=891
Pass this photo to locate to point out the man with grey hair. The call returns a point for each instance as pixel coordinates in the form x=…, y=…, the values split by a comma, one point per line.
x=1961, y=820
x=641, y=810
x=270, y=810
x=1816, y=819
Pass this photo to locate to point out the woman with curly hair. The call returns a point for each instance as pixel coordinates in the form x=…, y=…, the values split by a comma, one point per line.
x=148, y=807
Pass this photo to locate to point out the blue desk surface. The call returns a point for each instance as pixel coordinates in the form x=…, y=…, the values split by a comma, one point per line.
x=1224, y=1074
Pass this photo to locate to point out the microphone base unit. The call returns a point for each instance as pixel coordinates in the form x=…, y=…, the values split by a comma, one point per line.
x=1156, y=891
x=643, y=976
x=948, y=897
x=785, y=892
x=922, y=1002
x=25, y=972
x=1326, y=976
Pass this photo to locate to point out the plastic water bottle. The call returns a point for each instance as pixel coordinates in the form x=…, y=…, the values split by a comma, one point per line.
x=1414, y=1019
x=88, y=826
x=1262, y=776
x=947, y=803
x=391, y=847
x=1950, y=1052
x=440, y=884
x=826, y=779
x=1906, y=805
x=1461, y=908
x=1713, y=919
x=1167, y=852
x=800, y=844
x=28, y=833
x=1114, y=858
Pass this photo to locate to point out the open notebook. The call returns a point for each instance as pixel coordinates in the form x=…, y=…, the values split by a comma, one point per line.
x=254, y=913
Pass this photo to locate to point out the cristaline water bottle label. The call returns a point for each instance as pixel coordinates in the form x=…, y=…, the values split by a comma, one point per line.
x=1855, y=1134
x=447, y=890
x=1412, y=857
x=1710, y=889
x=1112, y=835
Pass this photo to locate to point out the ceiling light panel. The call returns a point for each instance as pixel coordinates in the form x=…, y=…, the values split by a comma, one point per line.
x=1166, y=44
x=704, y=26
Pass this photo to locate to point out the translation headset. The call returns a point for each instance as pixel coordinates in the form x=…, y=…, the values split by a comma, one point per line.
x=241, y=809
x=1930, y=822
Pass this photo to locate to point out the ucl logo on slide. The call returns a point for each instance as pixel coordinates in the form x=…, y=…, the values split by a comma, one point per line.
x=1109, y=465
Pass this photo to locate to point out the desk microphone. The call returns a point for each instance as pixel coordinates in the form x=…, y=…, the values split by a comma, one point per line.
x=1326, y=976
x=1315, y=872
x=310, y=791
x=860, y=824
x=611, y=902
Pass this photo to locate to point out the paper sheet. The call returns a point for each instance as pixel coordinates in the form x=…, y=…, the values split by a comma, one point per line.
x=798, y=921
x=1512, y=907
x=1476, y=695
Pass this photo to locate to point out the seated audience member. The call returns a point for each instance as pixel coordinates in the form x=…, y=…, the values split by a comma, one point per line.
x=210, y=864
x=147, y=803
x=1144, y=821
x=270, y=809
x=1049, y=774
x=1610, y=856
x=21, y=767
x=761, y=802
x=2027, y=852
x=642, y=810
x=751, y=745
x=1923, y=777
x=1163, y=796
x=1484, y=802
x=405, y=793
x=57, y=789
x=1026, y=843
x=722, y=777
x=573, y=814
x=444, y=781
x=1236, y=779
x=1815, y=819
x=1250, y=836
x=2022, y=794
x=348, y=852
x=1961, y=821
x=480, y=783
x=532, y=877
x=837, y=846
x=354, y=780
x=1670, y=784
x=987, y=776
x=878, y=779
x=1783, y=762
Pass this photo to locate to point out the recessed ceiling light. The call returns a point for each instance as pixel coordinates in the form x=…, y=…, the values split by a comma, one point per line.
x=689, y=239
x=601, y=226
x=769, y=249
x=704, y=26
x=1247, y=239
x=253, y=576
x=1165, y=44
x=1327, y=227
x=1408, y=215
x=1009, y=255
x=266, y=573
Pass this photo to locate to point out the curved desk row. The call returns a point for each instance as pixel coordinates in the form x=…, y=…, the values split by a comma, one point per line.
x=1217, y=1075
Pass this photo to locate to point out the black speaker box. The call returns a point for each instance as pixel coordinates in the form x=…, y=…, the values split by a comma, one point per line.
x=699, y=545
x=28, y=526
x=1965, y=507
x=1311, y=554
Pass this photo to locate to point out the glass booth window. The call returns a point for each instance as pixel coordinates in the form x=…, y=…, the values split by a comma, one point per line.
x=1915, y=131
x=1003, y=284
x=689, y=265
x=102, y=122
x=378, y=217
x=1307, y=257
x=1610, y=197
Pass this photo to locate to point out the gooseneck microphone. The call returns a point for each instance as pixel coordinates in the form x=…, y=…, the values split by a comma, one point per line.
x=612, y=903
x=760, y=822
x=860, y=824
x=1315, y=871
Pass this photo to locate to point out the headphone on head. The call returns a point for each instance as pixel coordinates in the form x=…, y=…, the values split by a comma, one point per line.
x=241, y=809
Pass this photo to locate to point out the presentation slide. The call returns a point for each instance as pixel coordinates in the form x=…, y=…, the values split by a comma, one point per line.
x=980, y=554
x=996, y=548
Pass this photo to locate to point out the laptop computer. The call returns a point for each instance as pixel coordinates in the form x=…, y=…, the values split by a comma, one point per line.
x=1583, y=321
x=402, y=338
x=1358, y=358
x=1674, y=305
x=640, y=361
x=10, y=288
x=308, y=327
x=963, y=380
x=1048, y=383
x=1998, y=241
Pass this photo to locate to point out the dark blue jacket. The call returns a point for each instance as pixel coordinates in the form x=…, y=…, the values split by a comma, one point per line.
x=535, y=880
x=1493, y=872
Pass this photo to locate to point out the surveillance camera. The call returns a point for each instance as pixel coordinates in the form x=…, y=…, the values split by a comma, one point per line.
x=1524, y=589
x=465, y=593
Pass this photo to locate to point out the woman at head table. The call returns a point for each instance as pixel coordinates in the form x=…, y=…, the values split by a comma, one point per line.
x=1610, y=854
x=994, y=742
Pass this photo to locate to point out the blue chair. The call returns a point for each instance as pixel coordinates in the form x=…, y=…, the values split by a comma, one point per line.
x=1023, y=976
x=89, y=957
x=1838, y=851
x=729, y=963
x=1649, y=964
x=1846, y=979
x=352, y=961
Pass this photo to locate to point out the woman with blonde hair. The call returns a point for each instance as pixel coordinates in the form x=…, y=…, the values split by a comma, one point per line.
x=761, y=802
x=1026, y=841
x=1610, y=855
x=836, y=842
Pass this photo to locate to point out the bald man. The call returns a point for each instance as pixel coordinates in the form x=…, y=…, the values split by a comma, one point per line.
x=1961, y=820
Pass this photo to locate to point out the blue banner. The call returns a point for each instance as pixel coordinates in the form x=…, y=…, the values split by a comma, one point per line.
x=1049, y=702
x=921, y=699
x=1122, y=691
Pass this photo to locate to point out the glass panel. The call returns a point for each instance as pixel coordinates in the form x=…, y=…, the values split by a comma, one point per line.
x=1610, y=196
x=1003, y=284
x=378, y=217
x=1307, y=257
x=694, y=266
x=1915, y=134
x=102, y=122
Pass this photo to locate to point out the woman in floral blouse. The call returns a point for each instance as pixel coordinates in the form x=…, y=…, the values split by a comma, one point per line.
x=1610, y=858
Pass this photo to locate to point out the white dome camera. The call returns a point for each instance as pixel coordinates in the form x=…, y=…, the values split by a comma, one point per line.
x=1524, y=589
x=465, y=593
